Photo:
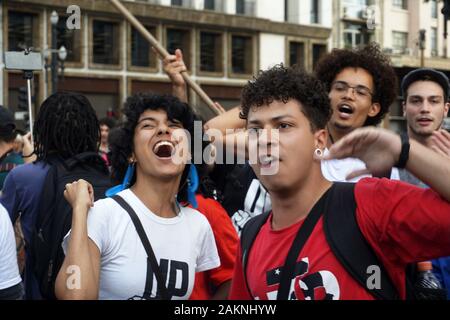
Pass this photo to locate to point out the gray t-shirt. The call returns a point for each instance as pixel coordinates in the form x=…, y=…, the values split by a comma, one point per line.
x=408, y=177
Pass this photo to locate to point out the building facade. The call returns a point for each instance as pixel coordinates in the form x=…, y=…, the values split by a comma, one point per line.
x=410, y=31
x=225, y=43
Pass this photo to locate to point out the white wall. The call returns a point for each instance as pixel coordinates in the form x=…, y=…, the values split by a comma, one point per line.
x=230, y=6
x=272, y=50
x=326, y=12
x=300, y=12
x=305, y=12
x=270, y=9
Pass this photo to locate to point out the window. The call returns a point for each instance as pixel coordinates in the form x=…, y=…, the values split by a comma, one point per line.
x=22, y=31
x=179, y=39
x=70, y=39
x=356, y=9
x=356, y=35
x=241, y=54
x=319, y=50
x=297, y=54
x=106, y=42
x=434, y=42
x=141, y=53
x=401, y=4
x=246, y=7
x=399, y=41
x=434, y=9
x=210, y=5
x=315, y=11
x=177, y=2
x=211, y=57
x=240, y=6
x=286, y=10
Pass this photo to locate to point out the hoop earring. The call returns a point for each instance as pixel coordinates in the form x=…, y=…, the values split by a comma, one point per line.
x=318, y=153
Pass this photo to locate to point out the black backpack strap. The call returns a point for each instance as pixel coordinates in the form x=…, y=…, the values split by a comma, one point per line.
x=248, y=236
x=349, y=244
x=303, y=234
x=151, y=259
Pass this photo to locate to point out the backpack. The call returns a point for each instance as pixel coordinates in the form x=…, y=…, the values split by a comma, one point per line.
x=346, y=242
x=54, y=217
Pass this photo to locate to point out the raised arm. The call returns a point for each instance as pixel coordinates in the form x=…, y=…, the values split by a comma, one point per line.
x=78, y=278
x=227, y=120
x=173, y=65
x=380, y=150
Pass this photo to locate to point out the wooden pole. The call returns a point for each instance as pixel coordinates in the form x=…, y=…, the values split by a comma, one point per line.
x=163, y=53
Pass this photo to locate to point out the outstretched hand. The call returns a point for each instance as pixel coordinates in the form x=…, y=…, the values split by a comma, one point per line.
x=378, y=148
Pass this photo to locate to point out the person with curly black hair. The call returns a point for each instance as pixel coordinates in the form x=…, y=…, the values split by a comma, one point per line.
x=322, y=240
x=150, y=155
x=66, y=125
x=362, y=85
x=368, y=72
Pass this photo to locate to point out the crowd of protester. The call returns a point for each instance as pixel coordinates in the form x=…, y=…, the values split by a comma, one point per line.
x=106, y=212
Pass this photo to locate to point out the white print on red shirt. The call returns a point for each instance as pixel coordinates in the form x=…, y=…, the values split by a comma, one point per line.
x=321, y=285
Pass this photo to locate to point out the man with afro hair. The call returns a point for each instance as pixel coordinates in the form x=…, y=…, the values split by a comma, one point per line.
x=361, y=85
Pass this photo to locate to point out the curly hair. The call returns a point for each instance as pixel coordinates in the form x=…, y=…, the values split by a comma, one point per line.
x=282, y=84
x=121, y=142
x=66, y=125
x=371, y=59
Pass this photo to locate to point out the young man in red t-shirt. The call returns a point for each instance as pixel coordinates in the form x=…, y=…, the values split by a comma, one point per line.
x=402, y=223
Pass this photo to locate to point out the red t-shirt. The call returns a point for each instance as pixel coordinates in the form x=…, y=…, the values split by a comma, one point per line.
x=402, y=223
x=226, y=241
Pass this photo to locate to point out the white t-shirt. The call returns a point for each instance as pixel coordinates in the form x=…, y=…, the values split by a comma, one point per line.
x=182, y=245
x=337, y=170
x=9, y=270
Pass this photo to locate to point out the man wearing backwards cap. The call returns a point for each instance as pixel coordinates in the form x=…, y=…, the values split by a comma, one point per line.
x=426, y=93
x=426, y=103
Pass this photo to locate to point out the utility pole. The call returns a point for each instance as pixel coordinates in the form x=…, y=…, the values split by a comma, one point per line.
x=54, y=64
x=446, y=12
x=422, y=41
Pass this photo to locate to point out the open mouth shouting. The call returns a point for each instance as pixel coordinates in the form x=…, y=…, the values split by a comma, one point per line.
x=345, y=111
x=266, y=161
x=164, y=150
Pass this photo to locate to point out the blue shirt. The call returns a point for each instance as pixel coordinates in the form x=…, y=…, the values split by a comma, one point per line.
x=21, y=194
x=441, y=268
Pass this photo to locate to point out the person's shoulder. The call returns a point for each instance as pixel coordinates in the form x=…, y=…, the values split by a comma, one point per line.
x=211, y=208
x=207, y=203
x=29, y=169
x=5, y=221
x=384, y=188
x=381, y=182
x=106, y=205
x=3, y=215
x=108, y=208
x=194, y=215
